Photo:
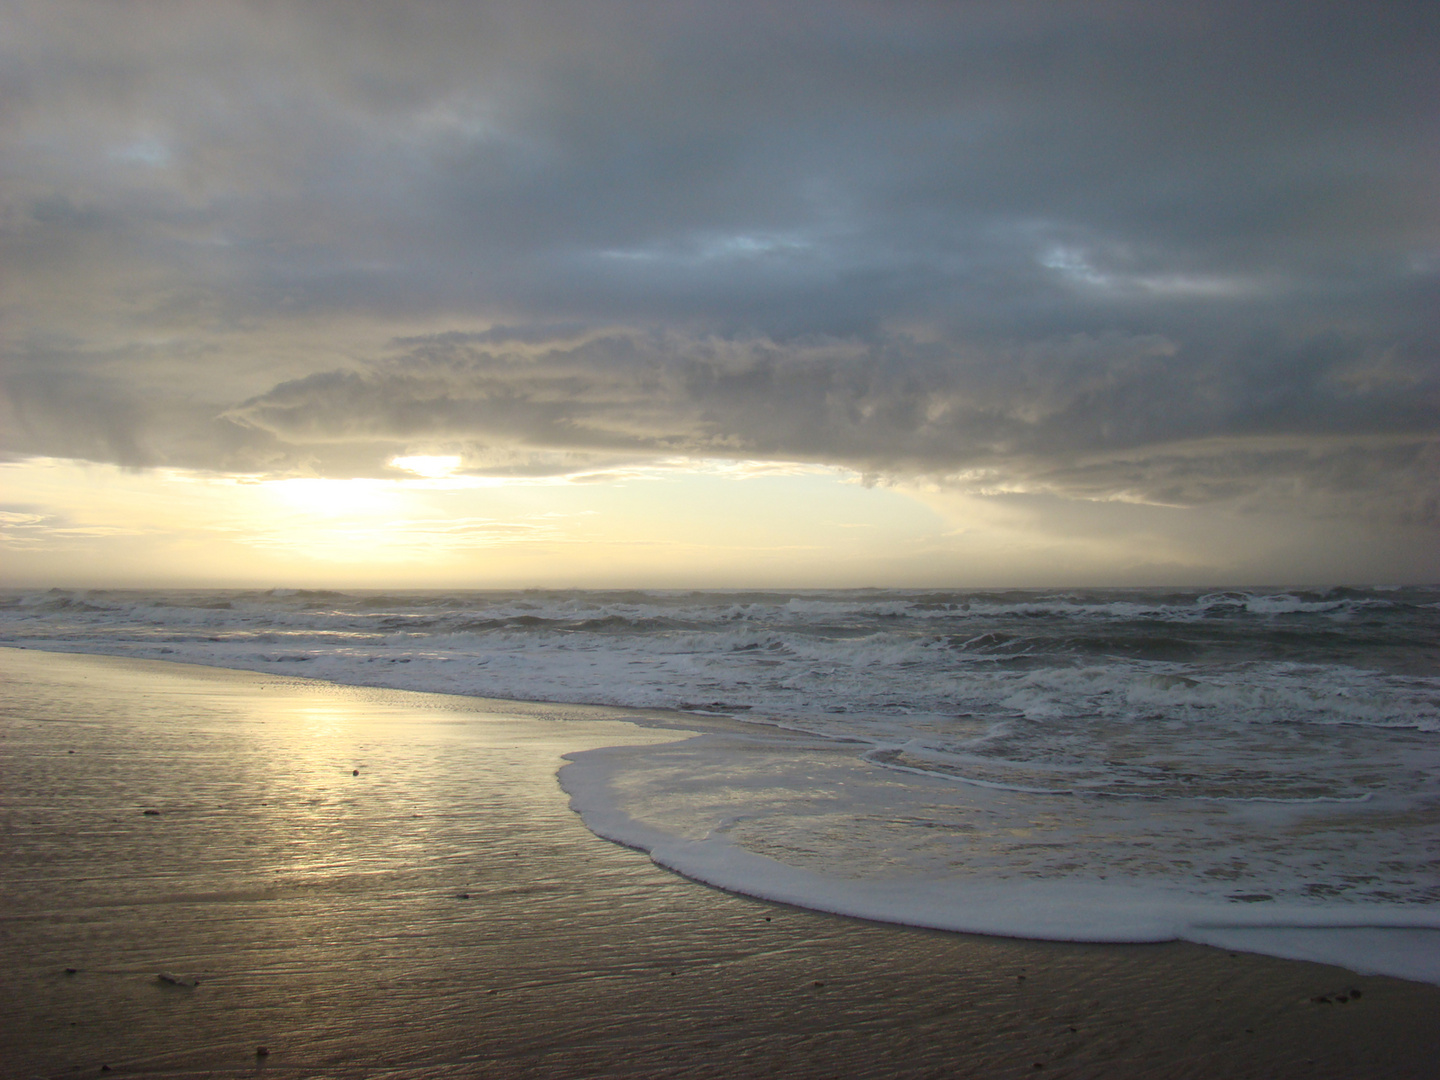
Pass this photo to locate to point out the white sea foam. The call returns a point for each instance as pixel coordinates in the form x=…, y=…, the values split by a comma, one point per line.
x=1123, y=765
x=803, y=822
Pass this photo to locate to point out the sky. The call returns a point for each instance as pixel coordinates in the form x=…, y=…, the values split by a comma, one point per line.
x=715, y=293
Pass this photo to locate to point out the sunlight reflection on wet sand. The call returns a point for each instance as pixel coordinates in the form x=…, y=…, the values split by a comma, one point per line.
x=374, y=882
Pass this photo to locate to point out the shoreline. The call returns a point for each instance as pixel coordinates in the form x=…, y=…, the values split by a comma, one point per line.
x=1387, y=941
x=443, y=913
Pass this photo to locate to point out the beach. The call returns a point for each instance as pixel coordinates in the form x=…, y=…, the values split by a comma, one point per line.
x=367, y=882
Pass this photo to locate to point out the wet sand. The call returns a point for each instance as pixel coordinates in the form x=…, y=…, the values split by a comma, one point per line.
x=443, y=914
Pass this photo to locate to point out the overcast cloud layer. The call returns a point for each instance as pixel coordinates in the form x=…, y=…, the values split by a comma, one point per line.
x=1183, y=253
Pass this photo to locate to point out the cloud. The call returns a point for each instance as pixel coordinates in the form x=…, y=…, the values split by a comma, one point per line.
x=1185, y=253
x=23, y=528
x=778, y=168
x=1105, y=417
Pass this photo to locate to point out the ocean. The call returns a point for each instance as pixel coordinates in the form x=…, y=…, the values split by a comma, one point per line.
x=1257, y=769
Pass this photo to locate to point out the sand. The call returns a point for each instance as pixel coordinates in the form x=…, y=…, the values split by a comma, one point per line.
x=376, y=883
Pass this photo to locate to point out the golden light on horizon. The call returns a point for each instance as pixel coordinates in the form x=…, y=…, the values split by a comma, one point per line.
x=673, y=524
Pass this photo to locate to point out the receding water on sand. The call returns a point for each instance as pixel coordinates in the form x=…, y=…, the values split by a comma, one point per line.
x=814, y=824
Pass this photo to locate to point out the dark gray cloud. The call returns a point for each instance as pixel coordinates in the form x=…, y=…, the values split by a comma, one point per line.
x=1182, y=252
x=1100, y=417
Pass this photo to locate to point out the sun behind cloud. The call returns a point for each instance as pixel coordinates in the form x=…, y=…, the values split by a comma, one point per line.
x=433, y=466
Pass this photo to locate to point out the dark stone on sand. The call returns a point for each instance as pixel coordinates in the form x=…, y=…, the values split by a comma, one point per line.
x=817, y=984
x=72, y=971
x=262, y=1051
x=354, y=772
x=462, y=896
x=152, y=813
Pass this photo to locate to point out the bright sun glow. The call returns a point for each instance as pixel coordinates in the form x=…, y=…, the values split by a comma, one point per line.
x=336, y=497
x=432, y=466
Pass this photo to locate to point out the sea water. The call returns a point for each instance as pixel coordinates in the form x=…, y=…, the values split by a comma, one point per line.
x=1257, y=769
